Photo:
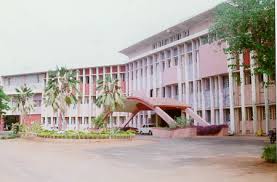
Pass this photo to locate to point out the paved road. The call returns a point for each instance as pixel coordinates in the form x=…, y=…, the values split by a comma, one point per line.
x=146, y=158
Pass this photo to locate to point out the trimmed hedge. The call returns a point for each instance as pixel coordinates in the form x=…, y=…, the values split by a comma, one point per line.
x=210, y=130
x=85, y=135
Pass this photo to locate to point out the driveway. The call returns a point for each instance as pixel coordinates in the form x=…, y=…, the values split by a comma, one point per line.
x=228, y=159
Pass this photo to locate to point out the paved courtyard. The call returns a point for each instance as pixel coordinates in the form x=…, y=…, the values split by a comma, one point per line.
x=229, y=159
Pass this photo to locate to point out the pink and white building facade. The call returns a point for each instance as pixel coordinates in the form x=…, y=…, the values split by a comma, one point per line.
x=176, y=63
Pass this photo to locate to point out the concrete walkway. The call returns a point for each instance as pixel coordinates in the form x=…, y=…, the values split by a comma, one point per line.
x=231, y=159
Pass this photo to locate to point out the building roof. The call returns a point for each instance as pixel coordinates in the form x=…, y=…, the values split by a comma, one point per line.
x=134, y=103
x=165, y=33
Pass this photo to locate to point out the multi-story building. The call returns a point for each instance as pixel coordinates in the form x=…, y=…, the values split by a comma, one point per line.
x=177, y=63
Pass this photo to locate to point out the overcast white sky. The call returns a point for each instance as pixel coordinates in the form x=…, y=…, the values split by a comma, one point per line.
x=37, y=35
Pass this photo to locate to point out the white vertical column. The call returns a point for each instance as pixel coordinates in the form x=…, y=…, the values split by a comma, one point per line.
x=212, y=101
x=231, y=93
x=83, y=95
x=203, y=99
x=148, y=76
x=266, y=103
x=194, y=76
x=130, y=79
x=186, y=63
x=242, y=95
x=179, y=74
x=90, y=101
x=154, y=76
x=220, y=97
x=172, y=91
x=253, y=92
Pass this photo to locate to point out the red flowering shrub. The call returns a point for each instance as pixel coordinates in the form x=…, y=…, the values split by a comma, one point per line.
x=210, y=130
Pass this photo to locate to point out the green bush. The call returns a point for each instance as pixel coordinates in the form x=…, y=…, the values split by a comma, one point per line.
x=70, y=134
x=98, y=122
x=16, y=128
x=269, y=153
x=182, y=122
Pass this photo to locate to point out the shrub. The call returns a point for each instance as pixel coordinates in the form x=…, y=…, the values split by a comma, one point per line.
x=16, y=128
x=209, y=130
x=70, y=134
x=269, y=153
x=98, y=121
x=182, y=122
x=36, y=127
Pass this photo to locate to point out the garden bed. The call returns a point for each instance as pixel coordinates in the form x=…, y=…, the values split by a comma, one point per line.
x=85, y=135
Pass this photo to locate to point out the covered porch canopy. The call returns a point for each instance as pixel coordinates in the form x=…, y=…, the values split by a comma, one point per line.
x=135, y=104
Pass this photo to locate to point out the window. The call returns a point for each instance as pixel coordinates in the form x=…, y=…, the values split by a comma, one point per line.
x=176, y=61
x=80, y=120
x=176, y=90
x=81, y=79
x=49, y=120
x=151, y=93
x=168, y=63
x=86, y=120
x=247, y=78
x=86, y=101
x=158, y=92
x=151, y=69
x=272, y=112
x=73, y=120
x=87, y=79
x=43, y=120
x=55, y=120
x=163, y=65
x=249, y=113
x=163, y=92
x=191, y=87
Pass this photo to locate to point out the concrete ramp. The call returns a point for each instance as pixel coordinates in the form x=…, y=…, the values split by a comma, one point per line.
x=197, y=119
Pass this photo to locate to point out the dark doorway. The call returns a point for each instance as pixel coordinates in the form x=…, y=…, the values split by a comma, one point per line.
x=9, y=120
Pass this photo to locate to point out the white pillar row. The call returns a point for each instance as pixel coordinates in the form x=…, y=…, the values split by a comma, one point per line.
x=90, y=100
x=154, y=75
x=212, y=100
x=179, y=75
x=203, y=100
x=77, y=108
x=253, y=91
x=194, y=75
x=242, y=95
x=130, y=79
x=220, y=96
x=186, y=63
x=161, y=75
x=148, y=82
x=231, y=93
x=266, y=103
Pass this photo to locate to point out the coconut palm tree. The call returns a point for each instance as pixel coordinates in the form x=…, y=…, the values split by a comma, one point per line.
x=4, y=106
x=110, y=96
x=61, y=91
x=23, y=100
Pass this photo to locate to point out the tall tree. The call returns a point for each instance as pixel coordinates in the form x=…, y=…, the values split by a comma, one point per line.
x=110, y=96
x=4, y=106
x=23, y=101
x=61, y=91
x=248, y=25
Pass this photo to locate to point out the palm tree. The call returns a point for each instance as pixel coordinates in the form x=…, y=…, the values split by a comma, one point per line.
x=4, y=99
x=23, y=100
x=61, y=91
x=111, y=96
